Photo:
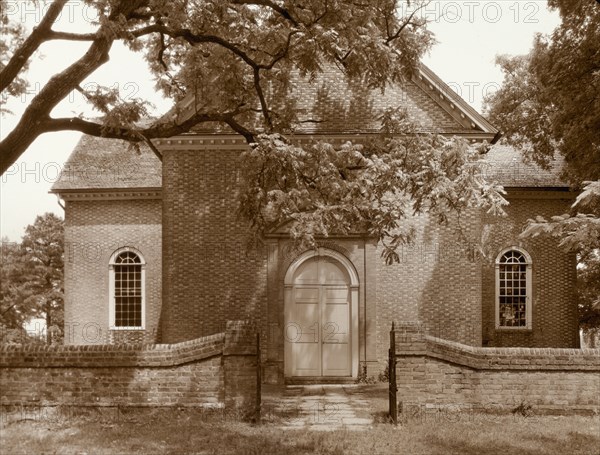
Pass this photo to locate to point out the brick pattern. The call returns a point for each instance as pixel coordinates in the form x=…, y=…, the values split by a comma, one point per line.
x=433, y=372
x=437, y=282
x=213, y=370
x=94, y=230
x=240, y=364
x=209, y=277
x=554, y=315
x=349, y=108
x=129, y=355
x=185, y=374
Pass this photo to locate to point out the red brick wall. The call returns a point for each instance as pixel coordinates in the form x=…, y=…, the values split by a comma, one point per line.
x=554, y=312
x=438, y=373
x=436, y=282
x=93, y=231
x=219, y=370
x=208, y=277
x=188, y=374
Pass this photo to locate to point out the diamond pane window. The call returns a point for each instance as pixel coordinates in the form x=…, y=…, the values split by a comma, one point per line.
x=513, y=289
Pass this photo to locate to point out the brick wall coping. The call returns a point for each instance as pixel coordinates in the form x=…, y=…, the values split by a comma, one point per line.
x=480, y=358
x=118, y=355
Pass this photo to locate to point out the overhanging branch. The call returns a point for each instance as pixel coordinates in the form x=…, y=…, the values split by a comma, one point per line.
x=160, y=130
x=31, y=44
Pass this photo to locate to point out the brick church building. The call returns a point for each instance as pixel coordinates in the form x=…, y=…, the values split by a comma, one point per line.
x=155, y=252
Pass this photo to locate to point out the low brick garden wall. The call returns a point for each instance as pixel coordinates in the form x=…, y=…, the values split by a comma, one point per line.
x=437, y=373
x=201, y=372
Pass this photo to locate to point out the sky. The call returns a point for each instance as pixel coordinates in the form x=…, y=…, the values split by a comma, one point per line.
x=469, y=33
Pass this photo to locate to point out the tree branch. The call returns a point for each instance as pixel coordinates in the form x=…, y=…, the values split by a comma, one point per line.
x=193, y=38
x=67, y=36
x=279, y=9
x=263, y=103
x=160, y=130
x=406, y=23
x=30, y=125
x=31, y=44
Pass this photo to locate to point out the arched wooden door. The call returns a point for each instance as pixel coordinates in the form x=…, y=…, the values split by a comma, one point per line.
x=319, y=319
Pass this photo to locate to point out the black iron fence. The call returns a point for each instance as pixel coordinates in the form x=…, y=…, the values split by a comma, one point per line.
x=393, y=386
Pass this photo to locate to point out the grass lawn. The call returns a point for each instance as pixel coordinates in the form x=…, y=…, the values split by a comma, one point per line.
x=155, y=431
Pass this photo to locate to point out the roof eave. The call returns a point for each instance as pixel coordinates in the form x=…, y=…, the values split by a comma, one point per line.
x=447, y=94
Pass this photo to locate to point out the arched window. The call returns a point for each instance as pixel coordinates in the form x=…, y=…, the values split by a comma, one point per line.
x=513, y=289
x=127, y=290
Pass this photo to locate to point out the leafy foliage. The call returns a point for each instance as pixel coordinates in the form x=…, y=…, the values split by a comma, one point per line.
x=549, y=103
x=578, y=232
x=32, y=277
x=368, y=188
x=230, y=64
x=550, y=99
x=231, y=60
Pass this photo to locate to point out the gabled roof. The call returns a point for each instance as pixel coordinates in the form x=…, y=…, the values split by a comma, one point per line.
x=329, y=104
x=326, y=106
x=451, y=101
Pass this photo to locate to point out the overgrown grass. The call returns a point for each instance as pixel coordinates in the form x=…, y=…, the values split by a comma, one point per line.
x=193, y=431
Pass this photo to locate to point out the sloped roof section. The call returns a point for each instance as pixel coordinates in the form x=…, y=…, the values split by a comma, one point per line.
x=100, y=163
x=326, y=105
x=507, y=167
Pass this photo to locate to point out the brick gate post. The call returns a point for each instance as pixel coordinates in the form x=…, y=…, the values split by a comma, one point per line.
x=239, y=366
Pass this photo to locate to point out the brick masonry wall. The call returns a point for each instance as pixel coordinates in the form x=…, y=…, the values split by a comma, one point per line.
x=94, y=230
x=436, y=282
x=554, y=312
x=435, y=373
x=215, y=370
x=240, y=364
x=188, y=374
x=208, y=277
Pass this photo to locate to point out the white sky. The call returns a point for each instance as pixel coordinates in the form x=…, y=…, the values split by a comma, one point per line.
x=470, y=34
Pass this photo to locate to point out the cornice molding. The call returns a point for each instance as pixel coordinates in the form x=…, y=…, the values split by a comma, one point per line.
x=110, y=195
x=228, y=141
x=450, y=101
x=540, y=193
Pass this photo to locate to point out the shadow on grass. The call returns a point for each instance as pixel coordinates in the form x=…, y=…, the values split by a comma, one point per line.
x=153, y=431
x=572, y=443
x=197, y=431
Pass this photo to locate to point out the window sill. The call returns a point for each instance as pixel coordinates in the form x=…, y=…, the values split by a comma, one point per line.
x=130, y=329
x=514, y=329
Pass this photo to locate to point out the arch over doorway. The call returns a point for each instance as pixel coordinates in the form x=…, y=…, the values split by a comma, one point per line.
x=321, y=316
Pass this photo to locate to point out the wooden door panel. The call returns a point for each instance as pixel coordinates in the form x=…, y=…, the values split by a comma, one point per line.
x=335, y=331
x=318, y=318
x=307, y=359
x=303, y=330
x=336, y=360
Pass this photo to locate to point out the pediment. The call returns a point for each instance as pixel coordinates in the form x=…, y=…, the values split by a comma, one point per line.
x=329, y=105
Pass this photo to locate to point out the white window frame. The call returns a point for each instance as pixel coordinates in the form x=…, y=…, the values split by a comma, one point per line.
x=528, y=289
x=111, y=290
